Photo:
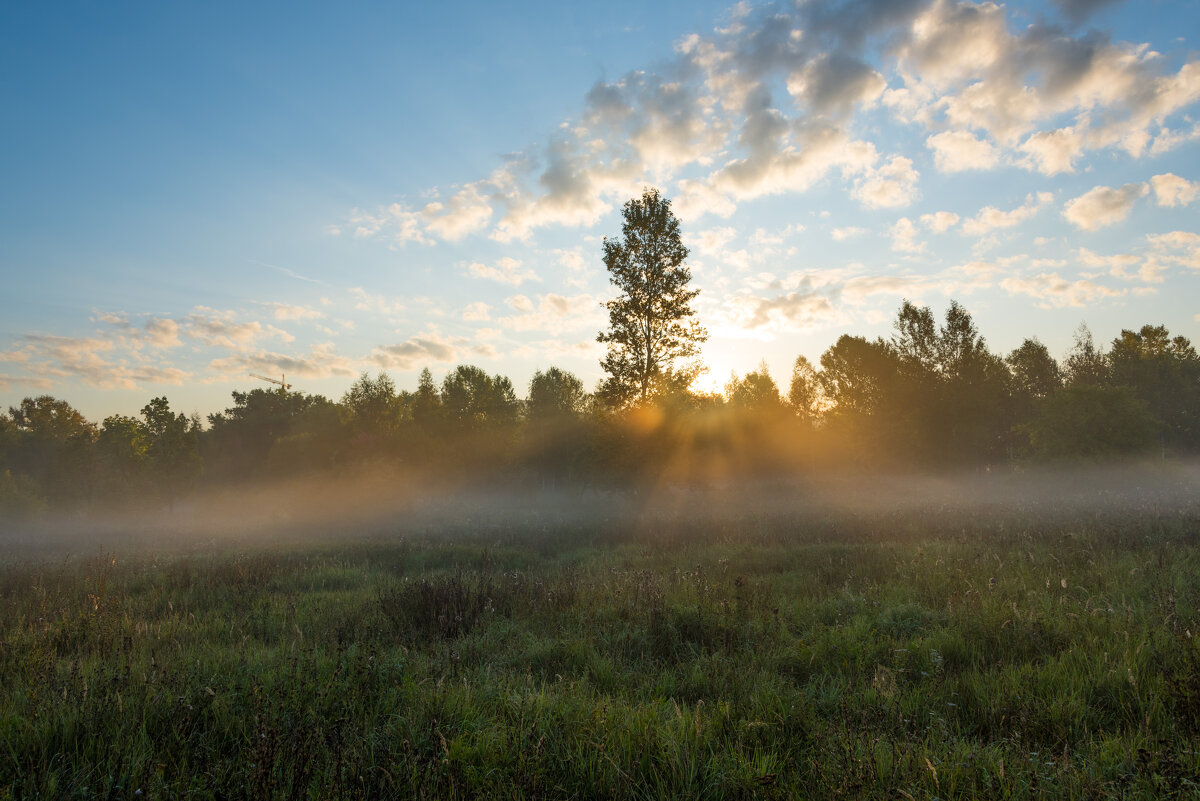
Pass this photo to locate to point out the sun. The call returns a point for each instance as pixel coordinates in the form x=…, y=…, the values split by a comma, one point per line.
x=712, y=382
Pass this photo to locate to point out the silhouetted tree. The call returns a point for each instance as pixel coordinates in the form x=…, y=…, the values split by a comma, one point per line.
x=426, y=403
x=855, y=374
x=755, y=392
x=557, y=432
x=1164, y=373
x=1035, y=373
x=473, y=400
x=974, y=392
x=51, y=443
x=373, y=410
x=653, y=337
x=172, y=446
x=1085, y=363
x=315, y=439
x=1093, y=421
x=123, y=449
x=804, y=391
x=240, y=440
x=1034, y=377
x=555, y=394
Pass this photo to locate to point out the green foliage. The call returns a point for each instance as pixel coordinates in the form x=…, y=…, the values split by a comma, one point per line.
x=1164, y=373
x=50, y=442
x=804, y=391
x=1035, y=373
x=426, y=403
x=1085, y=364
x=19, y=498
x=1093, y=421
x=554, y=395
x=171, y=446
x=472, y=400
x=372, y=408
x=1017, y=655
x=653, y=337
x=756, y=392
x=930, y=398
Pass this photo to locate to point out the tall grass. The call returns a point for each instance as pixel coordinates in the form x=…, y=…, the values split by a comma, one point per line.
x=889, y=655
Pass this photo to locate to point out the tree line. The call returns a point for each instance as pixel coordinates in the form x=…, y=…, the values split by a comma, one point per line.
x=932, y=396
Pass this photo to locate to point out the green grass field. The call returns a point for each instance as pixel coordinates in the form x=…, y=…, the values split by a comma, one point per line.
x=884, y=655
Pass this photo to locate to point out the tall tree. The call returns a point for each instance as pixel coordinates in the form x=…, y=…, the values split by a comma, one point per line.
x=171, y=445
x=473, y=400
x=755, y=392
x=1085, y=363
x=1164, y=372
x=555, y=395
x=557, y=434
x=804, y=392
x=1035, y=373
x=653, y=337
x=372, y=407
x=426, y=403
x=51, y=443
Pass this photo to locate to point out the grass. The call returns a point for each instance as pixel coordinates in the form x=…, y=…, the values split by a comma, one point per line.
x=889, y=655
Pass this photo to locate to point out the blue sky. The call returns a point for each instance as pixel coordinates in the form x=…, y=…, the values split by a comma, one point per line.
x=194, y=193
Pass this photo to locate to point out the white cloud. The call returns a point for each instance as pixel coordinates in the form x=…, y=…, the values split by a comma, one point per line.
x=894, y=184
x=706, y=122
x=321, y=361
x=476, y=311
x=1171, y=190
x=572, y=259
x=1148, y=270
x=467, y=211
x=957, y=151
x=1053, y=152
x=285, y=311
x=553, y=313
x=961, y=66
x=507, y=270
x=375, y=303
x=790, y=311
x=835, y=82
x=1054, y=291
x=94, y=360
x=715, y=239
x=1177, y=247
x=940, y=221
x=904, y=237
x=698, y=198
x=991, y=218
x=1102, y=206
x=419, y=350
x=850, y=231
x=162, y=332
x=220, y=328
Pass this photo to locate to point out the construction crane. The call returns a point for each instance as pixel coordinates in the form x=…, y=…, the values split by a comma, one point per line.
x=284, y=386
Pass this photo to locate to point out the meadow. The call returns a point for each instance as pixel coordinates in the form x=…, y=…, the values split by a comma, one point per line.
x=712, y=645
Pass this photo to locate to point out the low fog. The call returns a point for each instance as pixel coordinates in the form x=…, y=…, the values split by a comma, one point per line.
x=385, y=503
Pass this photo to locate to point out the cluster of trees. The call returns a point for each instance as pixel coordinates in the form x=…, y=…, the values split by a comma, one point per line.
x=932, y=396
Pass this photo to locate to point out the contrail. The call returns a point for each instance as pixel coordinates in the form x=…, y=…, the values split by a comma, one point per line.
x=287, y=272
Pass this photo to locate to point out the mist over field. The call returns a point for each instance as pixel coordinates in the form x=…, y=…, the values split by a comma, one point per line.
x=382, y=504
x=684, y=399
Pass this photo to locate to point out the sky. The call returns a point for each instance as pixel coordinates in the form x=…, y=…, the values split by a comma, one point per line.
x=192, y=193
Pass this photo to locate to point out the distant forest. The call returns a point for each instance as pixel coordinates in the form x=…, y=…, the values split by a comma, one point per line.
x=932, y=397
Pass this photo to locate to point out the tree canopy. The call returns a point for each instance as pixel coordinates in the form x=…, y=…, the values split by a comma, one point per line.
x=653, y=336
